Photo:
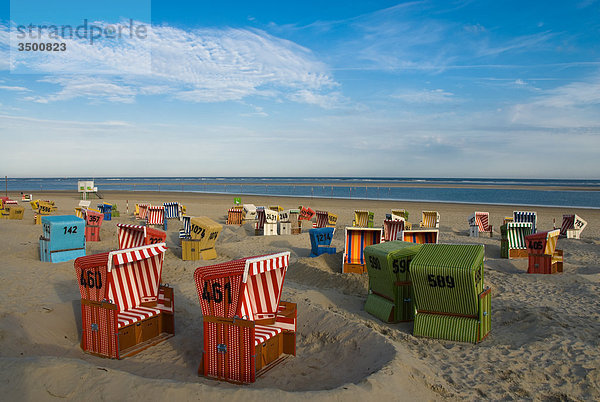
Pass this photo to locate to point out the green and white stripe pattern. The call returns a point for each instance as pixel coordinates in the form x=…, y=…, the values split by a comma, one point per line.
x=515, y=233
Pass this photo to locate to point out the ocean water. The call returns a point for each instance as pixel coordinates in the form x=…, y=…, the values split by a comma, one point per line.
x=587, y=194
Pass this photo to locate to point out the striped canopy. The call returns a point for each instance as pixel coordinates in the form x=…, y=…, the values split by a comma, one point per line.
x=356, y=241
x=249, y=288
x=392, y=229
x=526, y=216
x=125, y=277
x=516, y=232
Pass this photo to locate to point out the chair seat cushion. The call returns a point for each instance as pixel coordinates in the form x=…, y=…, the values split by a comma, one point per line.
x=127, y=317
x=263, y=333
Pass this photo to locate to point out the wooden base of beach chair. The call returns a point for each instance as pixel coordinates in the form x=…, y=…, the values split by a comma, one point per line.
x=141, y=335
x=518, y=253
x=546, y=264
x=354, y=268
x=190, y=251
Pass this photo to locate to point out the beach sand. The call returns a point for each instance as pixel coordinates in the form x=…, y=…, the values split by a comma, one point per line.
x=544, y=343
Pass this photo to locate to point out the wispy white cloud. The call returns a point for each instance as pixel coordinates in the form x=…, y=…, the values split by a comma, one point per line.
x=574, y=105
x=14, y=88
x=204, y=65
x=425, y=96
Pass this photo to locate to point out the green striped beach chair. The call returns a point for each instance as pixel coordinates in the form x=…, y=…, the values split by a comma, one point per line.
x=512, y=244
x=390, y=291
x=450, y=298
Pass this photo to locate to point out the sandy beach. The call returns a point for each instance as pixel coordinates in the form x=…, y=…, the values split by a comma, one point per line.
x=544, y=343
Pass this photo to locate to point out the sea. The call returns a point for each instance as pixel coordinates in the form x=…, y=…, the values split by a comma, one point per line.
x=579, y=193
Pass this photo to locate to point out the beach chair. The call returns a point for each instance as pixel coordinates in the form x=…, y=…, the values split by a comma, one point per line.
x=479, y=224
x=185, y=232
x=141, y=211
x=325, y=219
x=270, y=226
x=572, y=226
x=115, y=213
x=124, y=307
x=320, y=241
x=285, y=226
x=512, y=243
x=106, y=209
x=235, y=216
x=295, y=222
x=93, y=222
x=62, y=239
x=204, y=233
x=173, y=210
x=131, y=236
x=156, y=216
x=421, y=236
x=247, y=327
x=26, y=197
x=306, y=213
x=392, y=229
x=276, y=208
x=249, y=212
x=13, y=212
x=43, y=208
x=544, y=258
x=430, y=219
x=260, y=221
x=356, y=240
x=526, y=216
x=399, y=214
x=390, y=295
x=363, y=219
x=84, y=203
x=450, y=298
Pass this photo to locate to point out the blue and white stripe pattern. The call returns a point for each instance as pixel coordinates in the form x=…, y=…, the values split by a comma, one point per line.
x=172, y=210
x=526, y=216
x=185, y=232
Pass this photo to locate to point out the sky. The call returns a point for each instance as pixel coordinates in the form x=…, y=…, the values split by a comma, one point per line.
x=373, y=89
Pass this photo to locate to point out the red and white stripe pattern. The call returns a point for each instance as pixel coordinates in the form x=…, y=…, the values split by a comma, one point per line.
x=130, y=236
x=135, y=275
x=283, y=322
x=392, y=229
x=156, y=215
x=261, y=218
x=143, y=209
x=263, y=334
x=262, y=283
x=322, y=219
x=135, y=314
x=567, y=223
x=482, y=220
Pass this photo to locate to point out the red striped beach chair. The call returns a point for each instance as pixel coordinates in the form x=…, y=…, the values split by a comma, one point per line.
x=430, y=219
x=124, y=308
x=479, y=223
x=246, y=325
x=392, y=229
x=572, y=226
x=156, y=216
x=260, y=221
x=235, y=216
x=136, y=235
x=141, y=211
x=544, y=258
x=356, y=241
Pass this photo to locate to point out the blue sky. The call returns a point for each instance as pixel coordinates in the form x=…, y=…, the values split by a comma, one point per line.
x=424, y=88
